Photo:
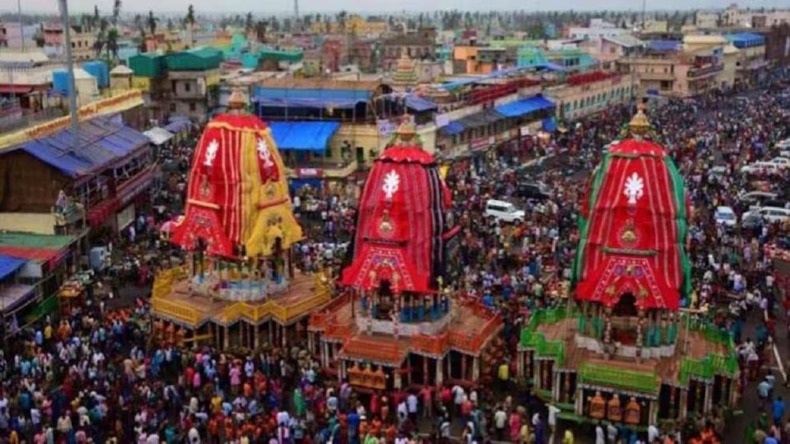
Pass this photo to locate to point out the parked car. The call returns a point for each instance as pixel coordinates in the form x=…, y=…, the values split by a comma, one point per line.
x=725, y=216
x=751, y=221
x=769, y=214
x=757, y=198
x=504, y=211
x=761, y=168
x=534, y=190
x=783, y=162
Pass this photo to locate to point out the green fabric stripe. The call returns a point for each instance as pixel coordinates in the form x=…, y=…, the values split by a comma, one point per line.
x=681, y=223
x=599, y=174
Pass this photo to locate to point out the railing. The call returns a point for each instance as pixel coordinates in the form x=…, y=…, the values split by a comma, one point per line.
x=176, y=311
x=699, y=72
x=624, y=379
x=707, y=368
x=373, y=350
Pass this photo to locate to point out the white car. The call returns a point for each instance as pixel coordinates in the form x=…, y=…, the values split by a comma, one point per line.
x=504, y=211
x=725, y=216
x=757, y=197
x=783, y=162
x=783, y=144
x=769, y=214
x=761, y=168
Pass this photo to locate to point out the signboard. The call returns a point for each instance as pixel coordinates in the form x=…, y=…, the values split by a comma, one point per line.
x=121, y=102
x=482, y=143
x=213, y=79
x=131, y=189
x=309, y=172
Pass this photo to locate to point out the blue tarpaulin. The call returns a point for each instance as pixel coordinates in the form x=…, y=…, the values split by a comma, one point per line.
x=9, y=265
x=525, y=106
x=419, y=104
x=310, y=98
x=452, y=129
x=100, y=143
x=303, y=136
x=176, y=126
x=297, y=184
x=549, y=124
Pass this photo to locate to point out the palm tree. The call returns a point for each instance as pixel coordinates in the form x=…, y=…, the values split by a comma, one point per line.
x=260, y=30
x=248, y=23
x=112, y=43
x=152, y=23
x=190, y=21
x=116, y=11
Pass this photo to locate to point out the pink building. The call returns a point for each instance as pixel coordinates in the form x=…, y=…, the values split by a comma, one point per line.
x=53, y=34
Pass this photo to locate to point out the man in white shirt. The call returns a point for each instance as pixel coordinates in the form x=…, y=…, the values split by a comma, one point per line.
x=500, y=421
x=553, y=410
x=652, y=433
x=599, y=436
x=411, y=405
x=458, y=398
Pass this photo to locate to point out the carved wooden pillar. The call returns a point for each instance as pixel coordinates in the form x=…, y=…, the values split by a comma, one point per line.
x=439, y=372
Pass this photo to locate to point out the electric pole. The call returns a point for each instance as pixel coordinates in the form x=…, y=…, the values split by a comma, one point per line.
x=64, y=18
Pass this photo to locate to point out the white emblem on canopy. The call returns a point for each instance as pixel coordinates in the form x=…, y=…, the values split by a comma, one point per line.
x=634, y=188
x=391, y=183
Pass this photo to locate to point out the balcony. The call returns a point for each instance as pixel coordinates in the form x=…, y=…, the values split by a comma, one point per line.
x=661, y=76
x=696, y=73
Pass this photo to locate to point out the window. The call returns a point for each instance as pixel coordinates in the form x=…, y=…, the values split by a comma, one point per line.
x=172, y=107
x=187, y=86
x=192, y=107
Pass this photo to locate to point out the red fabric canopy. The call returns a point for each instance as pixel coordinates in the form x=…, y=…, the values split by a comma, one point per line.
x=632, y=243
x=400, y=225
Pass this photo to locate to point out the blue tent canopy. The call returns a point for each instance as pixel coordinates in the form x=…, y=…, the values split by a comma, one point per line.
x=419, y=104
x=525, y=106
x=452, y=129
x=310, y=98
x=549, y=124
x=9, y=265
x=303, y=136
x=176, y=126
x=101, y=142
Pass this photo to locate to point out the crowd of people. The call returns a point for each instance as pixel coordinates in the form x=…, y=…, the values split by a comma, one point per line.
x=98, y=375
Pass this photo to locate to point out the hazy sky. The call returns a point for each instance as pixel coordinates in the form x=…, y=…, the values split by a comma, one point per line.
x=279, y=6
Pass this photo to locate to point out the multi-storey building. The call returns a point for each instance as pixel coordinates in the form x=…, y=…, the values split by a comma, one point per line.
x=416, y=46
x=184, y=83
x=751, y=55
x=598, y=28
x=675, y=71
x=735, y=17
x=588, y=93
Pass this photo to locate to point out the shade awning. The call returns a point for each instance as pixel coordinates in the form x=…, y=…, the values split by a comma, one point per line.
x=158, y=135
x=419, y=104
x=309, y=98
x=15, y=89
x=549, y=124
x=525, y=106
x=481, y=118
x=303, y=136
x=451, y=129
x=176, y=126
x=9, y=265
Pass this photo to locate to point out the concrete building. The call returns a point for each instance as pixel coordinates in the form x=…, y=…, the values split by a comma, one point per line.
x=751, y=62
x=184, y=83
x=735, y=17
x=589, y=93
x=598, y=28
x=568, y=57
x=777, y=44
x=415, y=46
x=675, y=70
x=478, y=59
x=608, y=50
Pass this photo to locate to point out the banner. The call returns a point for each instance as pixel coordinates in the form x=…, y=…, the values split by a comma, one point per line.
x=118, y=103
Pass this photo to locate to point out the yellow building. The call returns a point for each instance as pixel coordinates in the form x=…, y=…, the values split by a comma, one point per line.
x=589, y=93
x=353, y=24
x=82, y=42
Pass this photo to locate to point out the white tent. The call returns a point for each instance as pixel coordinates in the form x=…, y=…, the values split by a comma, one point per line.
x=158, y=135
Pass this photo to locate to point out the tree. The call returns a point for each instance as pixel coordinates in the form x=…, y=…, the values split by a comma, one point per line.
x=248, y=23
x=190, y=21
x=111, y=42
x=260, y=30
x=116, y=11
x=152, y=23
x=170, y=25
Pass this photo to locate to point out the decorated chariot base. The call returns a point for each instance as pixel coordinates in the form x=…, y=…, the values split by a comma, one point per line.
x=397, y=324
x=623, y=350
x=238, y=288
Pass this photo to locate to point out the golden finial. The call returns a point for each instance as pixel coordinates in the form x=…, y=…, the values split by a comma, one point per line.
x=236, y=101
x=639, y=125
x=406, y=131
